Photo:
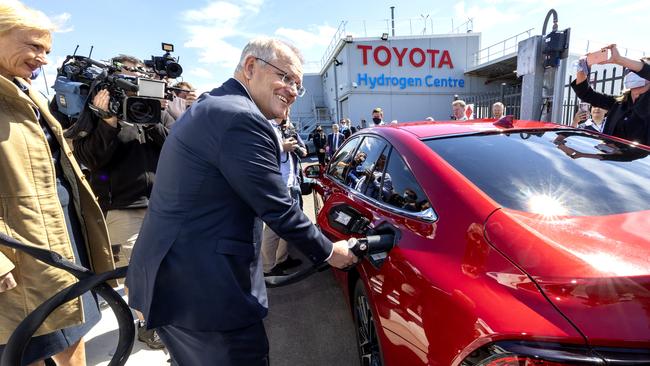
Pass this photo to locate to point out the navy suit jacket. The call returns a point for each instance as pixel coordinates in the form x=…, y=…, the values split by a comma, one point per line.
x=330, y=142
x=194, y=264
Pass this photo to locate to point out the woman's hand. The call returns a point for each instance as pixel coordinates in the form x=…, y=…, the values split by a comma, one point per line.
x=582, y=69
x=579, y=117
x=100, y=101
x=7, y=282
x=616, y=58
x=614, y=55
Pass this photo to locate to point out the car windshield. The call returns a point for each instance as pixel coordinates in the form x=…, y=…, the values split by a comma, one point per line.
x=559, y=172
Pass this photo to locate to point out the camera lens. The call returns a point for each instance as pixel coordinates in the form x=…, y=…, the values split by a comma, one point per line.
x=142, y=110
x=173, y=69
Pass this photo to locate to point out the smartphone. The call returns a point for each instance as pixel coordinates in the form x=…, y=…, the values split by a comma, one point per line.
x=584, y=107
x=597, y=57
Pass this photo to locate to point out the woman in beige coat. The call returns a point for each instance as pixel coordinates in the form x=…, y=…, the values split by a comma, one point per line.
x=44, y=200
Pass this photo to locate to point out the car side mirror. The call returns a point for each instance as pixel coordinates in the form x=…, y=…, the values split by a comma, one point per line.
x=312, y=171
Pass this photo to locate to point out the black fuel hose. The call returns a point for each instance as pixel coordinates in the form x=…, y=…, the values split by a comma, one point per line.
x=361, y=247
x=88, y=281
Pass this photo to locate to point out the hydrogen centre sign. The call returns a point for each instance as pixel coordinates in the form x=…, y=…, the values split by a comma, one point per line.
x=429, y=67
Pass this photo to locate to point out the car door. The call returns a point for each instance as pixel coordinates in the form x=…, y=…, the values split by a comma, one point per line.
x=384, y=190
x=349, y=172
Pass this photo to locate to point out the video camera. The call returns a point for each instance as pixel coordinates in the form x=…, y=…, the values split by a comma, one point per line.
x=165, y=65
x=132, y=99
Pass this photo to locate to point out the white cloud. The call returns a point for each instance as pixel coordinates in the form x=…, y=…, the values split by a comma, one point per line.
x=219, y=11
x=210, y=27
x=200, y=72
x=253, y=5
x=483, y=18
x=60, y=23
x=632, y=8
x=319, y=36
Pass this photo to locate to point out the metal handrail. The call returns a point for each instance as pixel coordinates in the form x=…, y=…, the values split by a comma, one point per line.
x=478, y=59
x=332, y=46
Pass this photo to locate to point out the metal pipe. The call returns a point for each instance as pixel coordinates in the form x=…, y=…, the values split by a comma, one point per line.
x=392, y=19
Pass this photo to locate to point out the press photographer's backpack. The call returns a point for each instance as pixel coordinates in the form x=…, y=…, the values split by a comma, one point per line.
x=71, y=96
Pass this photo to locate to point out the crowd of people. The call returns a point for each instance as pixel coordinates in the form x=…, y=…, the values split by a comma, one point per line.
x=199, y=247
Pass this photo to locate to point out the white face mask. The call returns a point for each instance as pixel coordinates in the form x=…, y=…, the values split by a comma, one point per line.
x=633, y=80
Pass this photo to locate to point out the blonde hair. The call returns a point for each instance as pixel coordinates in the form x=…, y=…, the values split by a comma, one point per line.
x=459, y=102
x=13, y=14
x=184, y=84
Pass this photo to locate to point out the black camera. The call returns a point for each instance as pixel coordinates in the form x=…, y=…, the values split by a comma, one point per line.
x=290, y=132
x=132, y=99
x=165, y=65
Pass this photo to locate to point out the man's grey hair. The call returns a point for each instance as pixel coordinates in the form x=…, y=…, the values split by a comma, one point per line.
x=266, y=49
x=335, y=125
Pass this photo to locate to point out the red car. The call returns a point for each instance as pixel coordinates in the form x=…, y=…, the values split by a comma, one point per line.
x=516, y=244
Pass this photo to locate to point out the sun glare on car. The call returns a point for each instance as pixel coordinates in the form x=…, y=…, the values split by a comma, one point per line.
x=546, y=205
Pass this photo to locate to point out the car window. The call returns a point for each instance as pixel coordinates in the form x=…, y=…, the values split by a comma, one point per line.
x=360, y=171
x=341, y=160
x=373, y=186
x=553, y=173
x=399, y=187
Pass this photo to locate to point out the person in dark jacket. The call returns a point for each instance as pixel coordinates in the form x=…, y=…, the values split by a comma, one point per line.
x=628, y=115
x=196, y=270
x=122, y=159
x=320, y=141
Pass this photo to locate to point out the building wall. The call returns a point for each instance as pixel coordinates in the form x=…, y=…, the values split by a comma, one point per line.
x=303, y=111
x=411, y=78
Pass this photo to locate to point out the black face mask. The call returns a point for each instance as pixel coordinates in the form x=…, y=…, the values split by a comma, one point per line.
x=376, y=120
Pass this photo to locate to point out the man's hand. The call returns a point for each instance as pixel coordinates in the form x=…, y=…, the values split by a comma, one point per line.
x=7, y=282
x=289, y=145
x=342, y=257
x=100, y=101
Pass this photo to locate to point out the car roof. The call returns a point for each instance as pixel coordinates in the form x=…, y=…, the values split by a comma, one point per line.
x=426, y=129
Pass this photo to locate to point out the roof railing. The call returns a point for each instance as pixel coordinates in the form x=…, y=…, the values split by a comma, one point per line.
x=500, y=49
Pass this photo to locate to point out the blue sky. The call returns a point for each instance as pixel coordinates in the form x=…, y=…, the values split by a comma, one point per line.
x=209, y=35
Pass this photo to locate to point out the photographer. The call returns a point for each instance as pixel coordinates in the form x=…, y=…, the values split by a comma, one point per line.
x=628, y=115
x=184, y=96
x=122, y=158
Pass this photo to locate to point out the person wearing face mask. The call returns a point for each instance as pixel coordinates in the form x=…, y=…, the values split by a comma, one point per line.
x=628, y=115
x=378, y=116
x=320, y=142
x=46, y=201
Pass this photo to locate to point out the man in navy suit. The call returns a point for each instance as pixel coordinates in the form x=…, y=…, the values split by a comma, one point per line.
x=196, y=269
x=334, y=139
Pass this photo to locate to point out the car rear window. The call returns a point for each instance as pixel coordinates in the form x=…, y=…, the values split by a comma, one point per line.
x=557, y=173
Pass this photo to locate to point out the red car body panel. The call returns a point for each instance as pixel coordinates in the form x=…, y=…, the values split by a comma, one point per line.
x=474, y=276
x=599, y=275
